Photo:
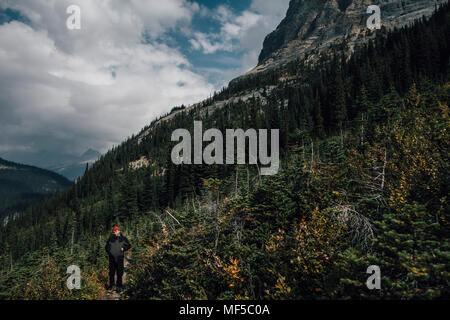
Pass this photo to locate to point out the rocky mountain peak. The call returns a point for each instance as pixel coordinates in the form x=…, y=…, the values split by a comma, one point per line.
x=310, y=26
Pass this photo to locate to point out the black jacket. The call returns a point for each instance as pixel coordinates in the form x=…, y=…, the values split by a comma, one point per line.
x=114, y=245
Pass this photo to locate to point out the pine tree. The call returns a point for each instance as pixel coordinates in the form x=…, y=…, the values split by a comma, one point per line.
x=318, y=119
x=338, y=97
x=128, y=206
x=412, y=254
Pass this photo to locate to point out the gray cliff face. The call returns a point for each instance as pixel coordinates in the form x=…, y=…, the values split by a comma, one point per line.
x=310, y=26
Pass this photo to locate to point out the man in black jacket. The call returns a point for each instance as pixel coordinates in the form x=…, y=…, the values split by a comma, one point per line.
x=116, y=245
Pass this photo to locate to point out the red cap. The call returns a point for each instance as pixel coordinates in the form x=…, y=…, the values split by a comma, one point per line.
x=116, y=228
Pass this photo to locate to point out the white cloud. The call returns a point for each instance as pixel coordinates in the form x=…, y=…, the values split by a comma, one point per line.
x=69, y=90
x=233, y=27
x=243, y=32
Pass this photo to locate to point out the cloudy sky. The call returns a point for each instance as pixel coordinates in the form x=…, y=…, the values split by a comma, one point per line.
x=64, y=91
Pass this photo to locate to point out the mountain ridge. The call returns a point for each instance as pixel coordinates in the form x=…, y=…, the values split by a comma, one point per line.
x=69, y=165
x=21, y=184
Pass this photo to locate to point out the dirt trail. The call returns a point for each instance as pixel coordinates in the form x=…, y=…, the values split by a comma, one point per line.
x=112, y=294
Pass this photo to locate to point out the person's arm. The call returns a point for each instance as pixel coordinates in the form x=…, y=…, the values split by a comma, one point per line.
x=126, y=244
x=108, y=246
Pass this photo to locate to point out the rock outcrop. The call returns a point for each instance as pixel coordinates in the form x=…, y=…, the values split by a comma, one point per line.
x=311, y=26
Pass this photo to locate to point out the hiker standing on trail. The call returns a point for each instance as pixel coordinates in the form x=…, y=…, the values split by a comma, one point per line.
x=116, y=245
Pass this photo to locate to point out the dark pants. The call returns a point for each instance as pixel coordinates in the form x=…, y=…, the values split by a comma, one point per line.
x=115, y=266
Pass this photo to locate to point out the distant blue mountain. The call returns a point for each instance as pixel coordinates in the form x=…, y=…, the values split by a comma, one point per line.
x=75, y=167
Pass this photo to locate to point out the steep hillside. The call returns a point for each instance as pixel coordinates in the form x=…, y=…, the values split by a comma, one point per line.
x=21, y=184
x=363, y=181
